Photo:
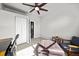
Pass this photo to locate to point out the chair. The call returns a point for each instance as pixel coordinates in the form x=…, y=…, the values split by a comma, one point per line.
x=57, y=39
x=72, y=46
x=9, y=50
x=48, y=48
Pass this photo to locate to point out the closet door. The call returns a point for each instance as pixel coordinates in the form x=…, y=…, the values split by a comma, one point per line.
x=21, y=29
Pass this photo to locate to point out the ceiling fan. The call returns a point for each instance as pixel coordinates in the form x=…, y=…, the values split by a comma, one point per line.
x=37, y=7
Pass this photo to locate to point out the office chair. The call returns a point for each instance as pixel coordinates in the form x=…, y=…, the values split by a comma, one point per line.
x=72, y=47
x=44, y=49
x=9, y=51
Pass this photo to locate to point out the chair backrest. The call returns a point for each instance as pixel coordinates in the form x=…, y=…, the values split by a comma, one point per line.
x=17, y=36
x=58, y=39
x=75, y=40
x=45, y=45
x=8, y=50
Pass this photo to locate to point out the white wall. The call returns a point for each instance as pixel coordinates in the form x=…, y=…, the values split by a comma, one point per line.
x=61, y=20
x=35, y=18
x=7, y=25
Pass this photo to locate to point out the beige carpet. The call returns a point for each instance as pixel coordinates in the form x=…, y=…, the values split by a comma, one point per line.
x=25, y=45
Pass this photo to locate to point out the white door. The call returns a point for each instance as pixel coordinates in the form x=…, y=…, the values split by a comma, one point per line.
x=21, y=29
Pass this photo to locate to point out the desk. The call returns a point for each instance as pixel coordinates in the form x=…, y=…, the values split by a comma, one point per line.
x=72, y=52
x=4, y=42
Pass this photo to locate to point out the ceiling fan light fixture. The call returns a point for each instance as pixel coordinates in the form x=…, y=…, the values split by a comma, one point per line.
x=37, y=8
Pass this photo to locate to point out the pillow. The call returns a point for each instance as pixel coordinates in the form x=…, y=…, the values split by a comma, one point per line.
x=75, y=40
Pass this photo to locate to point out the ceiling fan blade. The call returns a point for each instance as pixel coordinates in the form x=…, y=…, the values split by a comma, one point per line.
x=32, y=10
x=28, y=5
x=43, y=9
x=36, y=4
x=42, y=4
x=38, y=12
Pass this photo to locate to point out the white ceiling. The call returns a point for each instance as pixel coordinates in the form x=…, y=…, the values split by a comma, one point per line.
x=49, y=6
x=25, y=8
x=19, y=6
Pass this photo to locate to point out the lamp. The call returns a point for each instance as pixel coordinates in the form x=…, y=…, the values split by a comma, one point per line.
x=37, y=8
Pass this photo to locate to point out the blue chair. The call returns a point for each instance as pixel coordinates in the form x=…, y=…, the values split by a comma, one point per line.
x=73, y=42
